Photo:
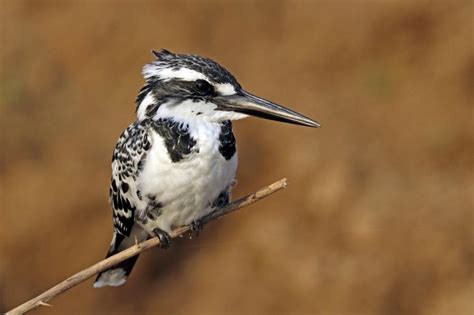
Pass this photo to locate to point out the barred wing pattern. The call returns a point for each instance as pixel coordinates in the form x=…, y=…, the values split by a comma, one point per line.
x=127, y=161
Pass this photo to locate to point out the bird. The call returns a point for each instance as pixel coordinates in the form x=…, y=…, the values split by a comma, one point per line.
x=177, y=162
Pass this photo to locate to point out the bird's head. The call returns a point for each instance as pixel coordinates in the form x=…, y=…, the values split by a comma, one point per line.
x=187, y=87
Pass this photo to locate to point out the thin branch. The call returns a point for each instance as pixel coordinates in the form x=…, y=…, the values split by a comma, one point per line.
x=139, y=248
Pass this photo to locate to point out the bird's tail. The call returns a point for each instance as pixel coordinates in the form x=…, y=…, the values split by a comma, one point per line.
x=118, y=274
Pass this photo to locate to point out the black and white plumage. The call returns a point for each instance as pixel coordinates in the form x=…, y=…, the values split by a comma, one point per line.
x=178, y=161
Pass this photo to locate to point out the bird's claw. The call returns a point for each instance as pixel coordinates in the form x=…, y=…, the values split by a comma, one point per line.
x=197, y=226
x=165, y=238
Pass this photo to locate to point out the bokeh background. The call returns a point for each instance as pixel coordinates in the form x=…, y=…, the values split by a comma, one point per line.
x=379, y=214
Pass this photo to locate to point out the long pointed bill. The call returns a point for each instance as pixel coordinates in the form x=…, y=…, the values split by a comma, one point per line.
x=246, y=103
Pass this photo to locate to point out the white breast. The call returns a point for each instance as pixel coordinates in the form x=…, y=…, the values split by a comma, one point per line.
x=186, y=188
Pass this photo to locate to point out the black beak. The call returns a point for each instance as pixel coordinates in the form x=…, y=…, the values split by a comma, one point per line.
x=249, y=104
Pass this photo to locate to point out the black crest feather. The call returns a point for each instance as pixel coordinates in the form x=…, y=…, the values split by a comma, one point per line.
x=162, y=54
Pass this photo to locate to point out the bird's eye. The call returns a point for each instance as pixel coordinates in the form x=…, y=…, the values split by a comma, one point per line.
x=203, y=87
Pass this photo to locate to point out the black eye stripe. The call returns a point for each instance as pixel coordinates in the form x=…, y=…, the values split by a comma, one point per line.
x=178, y=88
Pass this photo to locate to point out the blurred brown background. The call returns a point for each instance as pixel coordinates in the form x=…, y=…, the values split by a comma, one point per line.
x=378, y=217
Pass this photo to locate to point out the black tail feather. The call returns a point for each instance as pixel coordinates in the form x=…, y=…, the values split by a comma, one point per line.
x=117, y=274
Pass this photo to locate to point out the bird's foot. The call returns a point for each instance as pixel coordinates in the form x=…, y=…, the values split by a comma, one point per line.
x=165, y=238
x=197, y=226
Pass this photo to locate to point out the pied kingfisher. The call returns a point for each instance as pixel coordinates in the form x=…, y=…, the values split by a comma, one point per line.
x=177, y=161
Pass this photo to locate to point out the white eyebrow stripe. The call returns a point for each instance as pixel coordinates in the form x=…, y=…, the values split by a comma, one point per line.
x=225, y=88
x=167, y=74
x=185, y=74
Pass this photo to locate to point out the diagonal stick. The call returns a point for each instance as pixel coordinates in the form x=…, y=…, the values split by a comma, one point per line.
x=85, y=274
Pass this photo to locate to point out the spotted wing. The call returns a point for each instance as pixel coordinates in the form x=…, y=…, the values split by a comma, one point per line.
x=127, y=161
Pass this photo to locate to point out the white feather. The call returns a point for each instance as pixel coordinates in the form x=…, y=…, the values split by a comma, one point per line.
x=189, y=110
x=147, y=101
x=114, y=278
x=225, y=88
x=186, y=188
x=166, y=74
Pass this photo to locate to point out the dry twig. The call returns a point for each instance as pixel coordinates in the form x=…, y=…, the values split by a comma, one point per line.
x=136, y=249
